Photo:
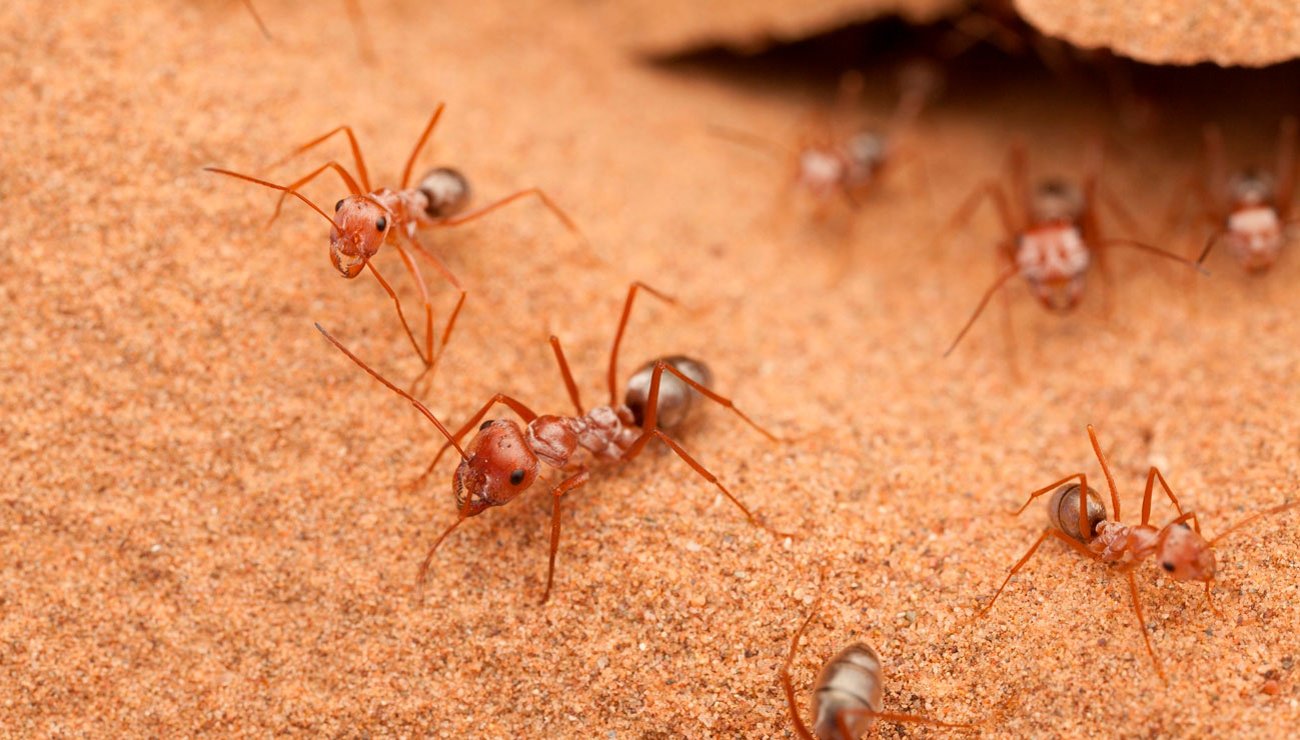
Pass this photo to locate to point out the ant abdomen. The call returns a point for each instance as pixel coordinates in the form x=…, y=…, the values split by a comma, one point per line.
x=1063, y=511
x=849, y=683
x=447, y=191
x=675, y=396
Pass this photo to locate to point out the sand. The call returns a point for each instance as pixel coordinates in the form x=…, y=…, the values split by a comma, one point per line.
x=205, y=524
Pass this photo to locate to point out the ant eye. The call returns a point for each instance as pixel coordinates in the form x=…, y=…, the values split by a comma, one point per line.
x=517, y=477
x=338, y=205
x=485, y=425
x=381, y=223
x=1169, y=567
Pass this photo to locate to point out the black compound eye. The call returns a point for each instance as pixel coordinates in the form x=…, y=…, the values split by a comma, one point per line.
x=485, y=425
x=381, y=223
x=1169, y=567
x=517, y=477
x=338, y=205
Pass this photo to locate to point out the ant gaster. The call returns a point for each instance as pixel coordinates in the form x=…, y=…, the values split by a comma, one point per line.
x=503, y=460
x=368, y=218
x=1081, y=522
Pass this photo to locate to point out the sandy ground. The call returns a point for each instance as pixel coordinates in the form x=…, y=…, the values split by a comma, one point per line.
x=204, y=524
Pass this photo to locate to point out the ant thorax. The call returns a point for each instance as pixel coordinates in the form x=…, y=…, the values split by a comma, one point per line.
x=604, y=431
x=1117, y=542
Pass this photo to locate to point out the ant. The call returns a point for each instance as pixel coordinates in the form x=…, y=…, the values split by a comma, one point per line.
x=1250, y=209
x=1052, y=239
x=846, y=699
x=1180, y=550
x=502, y=460
x=830, y=162
x=368, y=218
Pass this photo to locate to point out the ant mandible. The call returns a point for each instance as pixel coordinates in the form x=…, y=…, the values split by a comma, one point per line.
x=1180, y=550
x=1250, y=209
x=502, y=460
x=368, y=218
x=846, y=698
x=1053, y=238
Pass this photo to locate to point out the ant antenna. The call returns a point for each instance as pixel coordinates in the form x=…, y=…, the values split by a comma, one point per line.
x=1157, y=251
x=419, y=406
x=1253, y=517
x=281, y=188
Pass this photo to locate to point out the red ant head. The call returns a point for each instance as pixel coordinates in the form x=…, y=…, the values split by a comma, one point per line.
x=361, y=225
x=498, y=466
x=1185, y=554
x=1059, y=295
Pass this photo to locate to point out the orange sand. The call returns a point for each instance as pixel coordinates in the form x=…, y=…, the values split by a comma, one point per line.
x=204, y=528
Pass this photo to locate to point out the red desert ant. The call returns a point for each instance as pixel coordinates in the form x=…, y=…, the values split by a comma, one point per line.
x=846, y=699
x=368, y=218
x=502, y=460
x=1251, y=208
x=1180, y=550
x=828, y=162
x=1051, y=241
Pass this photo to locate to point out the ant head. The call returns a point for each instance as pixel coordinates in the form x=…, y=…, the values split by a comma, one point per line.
x=1055, y=199
x=361, y=226
x=1184, y=554
x=498, y=466
x=1059, y=295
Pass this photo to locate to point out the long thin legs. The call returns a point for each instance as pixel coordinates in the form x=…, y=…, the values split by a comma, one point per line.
x=787, y=684
x=568, y=484
x=618, y=334
x=1048, y=532
x=419, y=144
x=651, y=430
x=998, y=282
x=1105, y=469
x=362, y=173
x=571, y=386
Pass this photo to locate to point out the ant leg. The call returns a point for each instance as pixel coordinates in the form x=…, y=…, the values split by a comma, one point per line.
x=256, y=17
x=1110, y=479
x=1154, y=475
x=651, y=430
x=434, y=260
x=568, y=484
x=485, y=210
x=984, y=301
x=1048, y=532
x=618, y=334
x=1286, y=164
x=989, y=188
x=419, y=144
x=523, y=411
x=414, y=270
x=1253, y=517
x=360, y=161
x=568, y=376
x=787, y=684
x=396, y=302
x=445, y=338
x=347, y=180
x=364, y=47
x=1142, y=625
x=652, y=401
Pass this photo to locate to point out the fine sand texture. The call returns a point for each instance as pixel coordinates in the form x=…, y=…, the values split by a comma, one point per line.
x=206, y=519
